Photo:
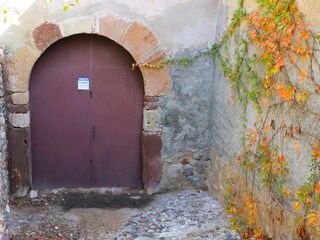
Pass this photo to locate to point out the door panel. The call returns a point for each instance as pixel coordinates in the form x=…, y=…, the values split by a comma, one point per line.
x=116, y=150
x=59, y=129
x=86, y=138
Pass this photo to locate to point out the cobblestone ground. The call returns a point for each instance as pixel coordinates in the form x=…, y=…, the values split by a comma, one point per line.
x=188, y=214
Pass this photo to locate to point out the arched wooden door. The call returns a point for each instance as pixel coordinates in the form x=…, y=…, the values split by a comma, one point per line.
x=86, y=115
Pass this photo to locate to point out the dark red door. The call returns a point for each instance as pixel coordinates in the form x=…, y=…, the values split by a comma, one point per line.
x=86, y=138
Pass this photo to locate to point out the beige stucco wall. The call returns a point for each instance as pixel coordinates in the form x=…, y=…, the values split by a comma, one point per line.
x=177, y=24
x=228, y=131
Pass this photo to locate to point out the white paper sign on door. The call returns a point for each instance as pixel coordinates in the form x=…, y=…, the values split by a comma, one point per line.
x=83, y=83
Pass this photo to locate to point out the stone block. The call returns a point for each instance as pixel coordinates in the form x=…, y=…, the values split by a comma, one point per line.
x=45, y=35
x=200, y=167
x=152, y=164
x=19, y=120
x=139, y=41
x=33, y=193
x=151, y=120
x=113, y=27
x=78, y=25
x=196, y=181
x=20, y=98
x=156, y=82
x=175, y=171
x=18, y=69
x=187, y=170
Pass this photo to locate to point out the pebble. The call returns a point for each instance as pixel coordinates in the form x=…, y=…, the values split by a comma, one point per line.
x=196, y=181
x=190, y=214
x=33, y=194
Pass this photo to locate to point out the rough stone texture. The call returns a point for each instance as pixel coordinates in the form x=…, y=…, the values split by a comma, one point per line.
x=18, y=69
x=113, y=27
x=20, y=120
x=20, y=98
x=151, y=120
x=184, y=171
x=186, y=109
x=45, y=35
x=152, y=165
x=4, y=178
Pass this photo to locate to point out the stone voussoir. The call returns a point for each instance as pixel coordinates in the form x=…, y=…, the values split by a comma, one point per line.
x=139, y=41
x=46, y=34
x=113, y=27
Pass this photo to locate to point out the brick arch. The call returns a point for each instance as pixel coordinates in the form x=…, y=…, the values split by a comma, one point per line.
x=140, y=42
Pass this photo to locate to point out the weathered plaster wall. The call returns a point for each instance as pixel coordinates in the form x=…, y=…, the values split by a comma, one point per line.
x=177, y=24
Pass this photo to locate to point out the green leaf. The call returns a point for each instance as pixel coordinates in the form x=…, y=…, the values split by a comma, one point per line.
x=65, y=8
x=318, y=37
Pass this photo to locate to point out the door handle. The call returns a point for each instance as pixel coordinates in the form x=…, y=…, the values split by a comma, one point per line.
x=93, y=130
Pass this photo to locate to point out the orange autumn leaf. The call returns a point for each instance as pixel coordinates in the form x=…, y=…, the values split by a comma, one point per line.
x=280, y=61
x=305, y=57
x=281, y=159
x=286, y=93
x=305, y=35
x=317, y=187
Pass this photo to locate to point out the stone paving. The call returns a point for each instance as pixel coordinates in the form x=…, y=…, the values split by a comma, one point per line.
x=181, y=215
x=188, y=214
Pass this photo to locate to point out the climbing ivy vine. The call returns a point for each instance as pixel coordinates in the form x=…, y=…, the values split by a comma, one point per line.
x=274, y=65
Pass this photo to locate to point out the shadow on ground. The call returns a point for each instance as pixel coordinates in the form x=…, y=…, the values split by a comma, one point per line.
x=102, y=200
x=71, y=200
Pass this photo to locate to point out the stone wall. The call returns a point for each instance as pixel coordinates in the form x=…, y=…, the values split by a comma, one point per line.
x=4, y=178
x=186, y=119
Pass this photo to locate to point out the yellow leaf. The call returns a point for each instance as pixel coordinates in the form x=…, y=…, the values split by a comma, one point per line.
x=302, y=97
x=305, y=57
x=286, y=192
x=312, y=218
x=297, y=206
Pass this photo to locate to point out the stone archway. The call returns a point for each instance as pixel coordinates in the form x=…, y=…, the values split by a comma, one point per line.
x=140, y=42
